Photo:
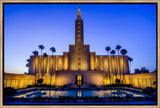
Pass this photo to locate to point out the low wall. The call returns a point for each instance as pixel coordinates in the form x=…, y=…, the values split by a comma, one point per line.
x=141, y=80
x=21, y=80
x=18, y=80
x=65, y=77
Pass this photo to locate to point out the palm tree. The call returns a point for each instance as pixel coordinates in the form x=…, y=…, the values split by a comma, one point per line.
x=130, y=60
x=52, y=49
x=27, y=65
x=108, y=49
x=35, y=53
x=118, y=47
x=28, y=62
x=43, y=72
x=41, y=47
x=123, y=52
x=113, y=52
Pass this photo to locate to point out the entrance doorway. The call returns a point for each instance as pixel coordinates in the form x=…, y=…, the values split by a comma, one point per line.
x=79, y=80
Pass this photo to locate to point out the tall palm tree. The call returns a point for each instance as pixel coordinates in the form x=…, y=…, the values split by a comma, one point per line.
x=41, y=47
x=43, y=72
x=130, y=60
x=35, y=53
x=108, y=49
x=52, y=49
x=28, y=62
x=123, y=52
x=27, y=65
x=113, y=52
x=118, y=47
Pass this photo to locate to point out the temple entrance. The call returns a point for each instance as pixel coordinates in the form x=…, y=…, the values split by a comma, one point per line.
x=79, y=80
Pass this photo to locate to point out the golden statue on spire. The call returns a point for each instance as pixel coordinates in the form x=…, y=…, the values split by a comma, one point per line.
x=79, y=9
x=79, y=13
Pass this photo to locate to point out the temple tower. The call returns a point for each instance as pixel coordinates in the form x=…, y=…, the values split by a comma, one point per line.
x=79, y=53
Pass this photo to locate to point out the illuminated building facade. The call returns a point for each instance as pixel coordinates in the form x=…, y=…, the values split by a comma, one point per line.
x=79, y=65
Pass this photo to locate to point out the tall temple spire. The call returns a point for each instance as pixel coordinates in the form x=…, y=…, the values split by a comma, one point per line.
x=79, y=29
x=79, y=13
x=79, y=53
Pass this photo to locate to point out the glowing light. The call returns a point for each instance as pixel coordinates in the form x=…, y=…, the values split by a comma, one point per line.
x=79, y=80
x=79, y=94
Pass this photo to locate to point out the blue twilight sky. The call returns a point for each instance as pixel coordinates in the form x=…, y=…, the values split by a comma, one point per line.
x=133, y=26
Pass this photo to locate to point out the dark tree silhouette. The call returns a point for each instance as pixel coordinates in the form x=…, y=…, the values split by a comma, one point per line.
x=25, y=73
x=143, y=70
x=40, y=81
x=118, y=47
x=35, y=53
x=52, y=49
x=9, y=91
x=41, y=47
x=130, y=60
x=155, y=84
x=43, y=72
x=108, y=49
x=27, y=65
x=117, y=81
x=123, y=52
x=28, y=60
x=113, y=52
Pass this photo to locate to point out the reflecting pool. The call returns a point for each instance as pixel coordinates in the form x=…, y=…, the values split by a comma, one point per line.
x=79, y=93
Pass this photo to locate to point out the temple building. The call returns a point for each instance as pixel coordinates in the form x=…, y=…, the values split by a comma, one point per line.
x=79, y=63
x=79, y=66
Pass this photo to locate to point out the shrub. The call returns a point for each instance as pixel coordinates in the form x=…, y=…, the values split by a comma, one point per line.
x=117, y=81
x=66, y=85
x=95, y=97
x=155, y=82
x=128, y=85
x=148, y=90
x=8, y=91
x=44, y=85
x=93, y=85
x=40, y=81
x=29, y=86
